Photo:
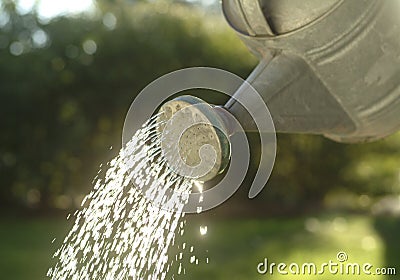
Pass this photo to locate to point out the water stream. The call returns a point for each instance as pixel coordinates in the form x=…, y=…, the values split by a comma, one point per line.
x=120, y=233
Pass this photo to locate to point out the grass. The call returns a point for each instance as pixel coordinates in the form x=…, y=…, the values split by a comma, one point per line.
x=26, y=246
x=234, y=247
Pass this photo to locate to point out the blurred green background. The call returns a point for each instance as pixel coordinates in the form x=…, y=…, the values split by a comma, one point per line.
x=66, y=83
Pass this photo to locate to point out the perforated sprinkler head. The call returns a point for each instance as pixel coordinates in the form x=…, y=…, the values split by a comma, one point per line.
x=194, y=138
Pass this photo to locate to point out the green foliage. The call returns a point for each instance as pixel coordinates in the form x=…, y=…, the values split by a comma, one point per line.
x=63, y=106
x=308, y=169
x=66, y=85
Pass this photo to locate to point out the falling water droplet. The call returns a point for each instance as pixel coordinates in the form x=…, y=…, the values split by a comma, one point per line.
x=203, y=230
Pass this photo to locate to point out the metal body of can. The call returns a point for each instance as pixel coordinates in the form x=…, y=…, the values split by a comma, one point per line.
x=326, y=67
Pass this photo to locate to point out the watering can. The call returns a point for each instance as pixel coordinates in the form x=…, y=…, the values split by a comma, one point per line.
x=327, y=67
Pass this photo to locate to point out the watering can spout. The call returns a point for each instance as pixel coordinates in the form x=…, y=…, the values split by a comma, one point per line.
x=297, y=100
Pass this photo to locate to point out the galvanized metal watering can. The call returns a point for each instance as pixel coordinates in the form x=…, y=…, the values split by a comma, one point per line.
x=327, y=67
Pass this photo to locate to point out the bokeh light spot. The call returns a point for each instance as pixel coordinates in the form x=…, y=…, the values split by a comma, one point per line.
x=39, y=38
x=16, y=48
x=109, y=21
x=89, y=47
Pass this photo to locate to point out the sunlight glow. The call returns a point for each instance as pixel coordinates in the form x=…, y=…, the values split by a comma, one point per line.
x=50, y=8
